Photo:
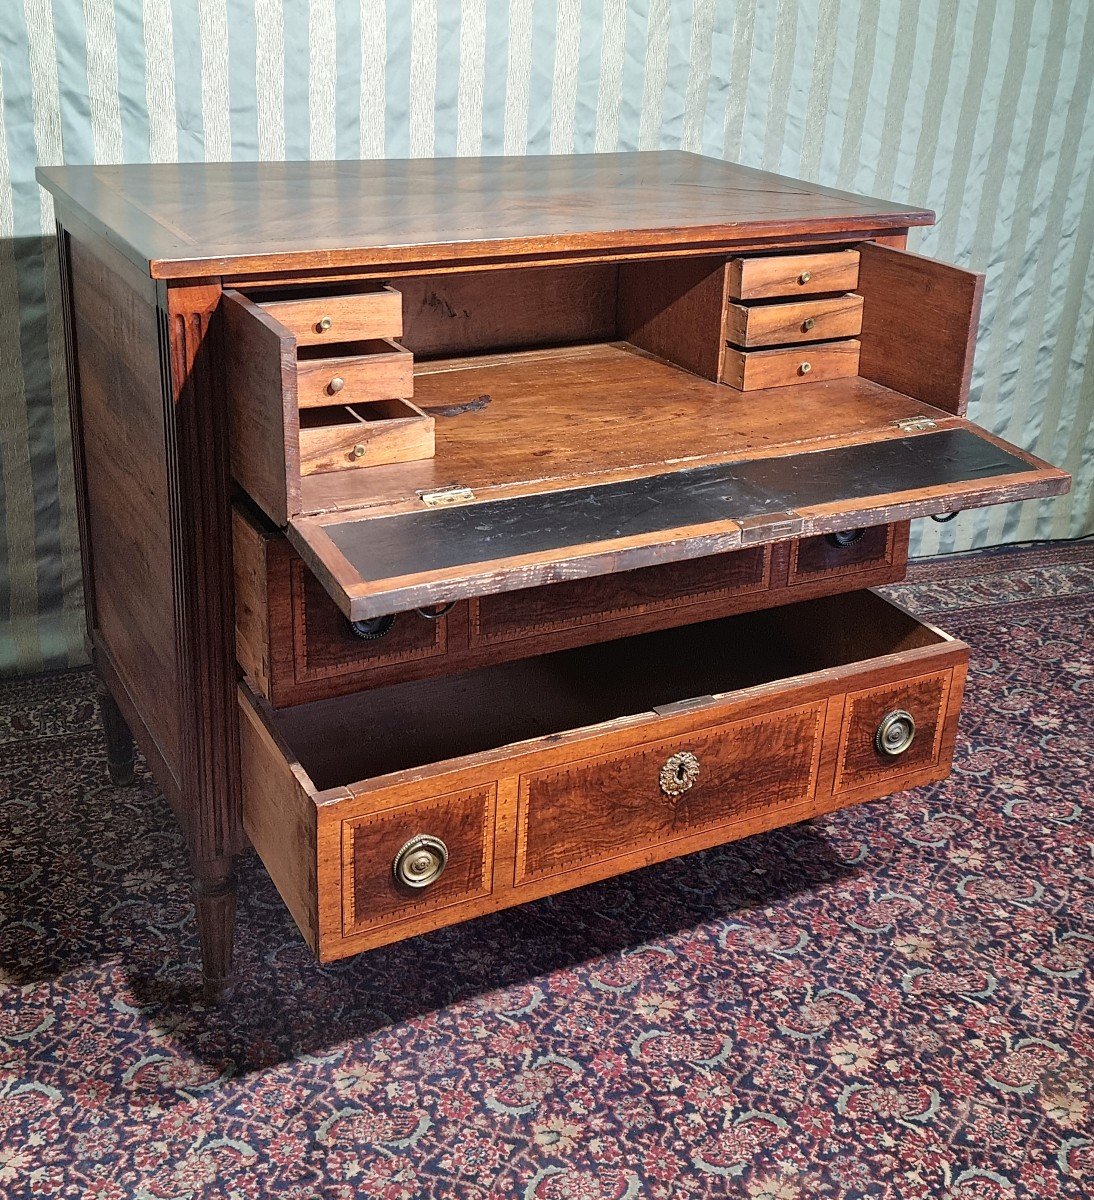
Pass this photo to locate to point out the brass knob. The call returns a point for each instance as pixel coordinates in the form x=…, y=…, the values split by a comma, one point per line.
x=679, y=773
x=323, y=324
x=895, y=733
x=807, y=324
x=359, y=450
x=805, y=368
x=846, y=537
x=336, y=384
x=420, y=861
x=374, y=628
x=805, y=277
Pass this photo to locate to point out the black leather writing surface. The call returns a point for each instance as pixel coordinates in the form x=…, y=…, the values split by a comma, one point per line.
x=434, y=539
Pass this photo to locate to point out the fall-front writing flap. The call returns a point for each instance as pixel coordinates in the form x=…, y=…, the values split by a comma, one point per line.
x=376, y=564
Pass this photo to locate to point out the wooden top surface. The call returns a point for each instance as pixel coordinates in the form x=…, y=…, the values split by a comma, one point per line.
x=187, y=220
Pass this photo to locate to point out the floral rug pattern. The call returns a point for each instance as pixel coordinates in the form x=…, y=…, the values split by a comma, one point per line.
x=893, y=1001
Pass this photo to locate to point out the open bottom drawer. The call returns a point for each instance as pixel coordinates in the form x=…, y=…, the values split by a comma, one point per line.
x=387, y=813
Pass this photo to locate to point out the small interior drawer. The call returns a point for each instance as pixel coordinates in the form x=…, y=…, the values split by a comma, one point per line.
x=767, y=276
x=393, y=811
x=848, y=552
x=748, y=370
x=368, y=433
x=792, y=321
x=372, y=369
x=370, y=311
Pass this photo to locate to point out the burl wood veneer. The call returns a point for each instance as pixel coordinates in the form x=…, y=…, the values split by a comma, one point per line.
x=461, y=531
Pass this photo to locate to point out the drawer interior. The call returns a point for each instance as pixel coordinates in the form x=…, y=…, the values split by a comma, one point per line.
x=413, y=724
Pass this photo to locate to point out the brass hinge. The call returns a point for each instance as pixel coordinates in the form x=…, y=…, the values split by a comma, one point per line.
x=452, y=493
x=682, y=706
x=915, y=424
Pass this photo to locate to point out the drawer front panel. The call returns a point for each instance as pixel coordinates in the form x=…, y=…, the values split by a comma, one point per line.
x=382, y=370
x=860, y=761
x=817, y=557
x=792, y=275
x=600, y=808
x=316, y=320
x=799, y=321
x=325, y=647
x=748, y=370
x=371, y=894
x=510, y=616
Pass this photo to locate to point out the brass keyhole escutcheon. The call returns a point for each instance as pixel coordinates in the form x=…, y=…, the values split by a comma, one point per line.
x=805, y=277
x=336, y=385
x=808, y=324
x=323, y=324
x=679, y=773
x=420, y=861
x=805, y=368
x=895, y=733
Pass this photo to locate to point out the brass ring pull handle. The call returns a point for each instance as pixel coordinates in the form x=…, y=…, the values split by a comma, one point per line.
x=374, y=628
x=420, y=861
x=845, y=537
x=895, y=733
x=437, y=611
x=805, y=368
x=323, y=325
x=942, y=518
x=679, y=773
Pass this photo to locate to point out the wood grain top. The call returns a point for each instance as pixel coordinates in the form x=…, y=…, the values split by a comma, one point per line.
x=187, y=220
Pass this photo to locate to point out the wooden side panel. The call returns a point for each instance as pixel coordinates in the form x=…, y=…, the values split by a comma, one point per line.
x=250, y=549
x=601, y=808
x=674, y=308
x=463, y=313
x=261, y=394
x=919, y=324
x=280, y=819
x=372, y=897
x=116, y=335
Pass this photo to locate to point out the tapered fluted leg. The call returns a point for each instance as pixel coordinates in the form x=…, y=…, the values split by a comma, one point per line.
x=119, y=739
x=215, y=900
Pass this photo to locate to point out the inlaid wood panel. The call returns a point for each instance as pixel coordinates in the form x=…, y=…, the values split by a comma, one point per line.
x=599, y=808
x=325, y=647
x=513, y=615
x=860, y=762
x=372, y=896
x=822, y=557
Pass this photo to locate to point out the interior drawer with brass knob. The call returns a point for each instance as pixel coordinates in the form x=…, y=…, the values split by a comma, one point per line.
x=789, y=322
x=396, y=810
x=748, y=370
x=765, y=277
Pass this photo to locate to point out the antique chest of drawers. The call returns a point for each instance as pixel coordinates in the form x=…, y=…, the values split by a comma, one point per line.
x=456, y=532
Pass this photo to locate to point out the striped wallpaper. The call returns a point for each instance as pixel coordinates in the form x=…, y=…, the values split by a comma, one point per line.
x=978, y=109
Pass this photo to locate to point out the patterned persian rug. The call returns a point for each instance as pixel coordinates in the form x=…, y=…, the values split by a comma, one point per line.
x=894, y=1001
